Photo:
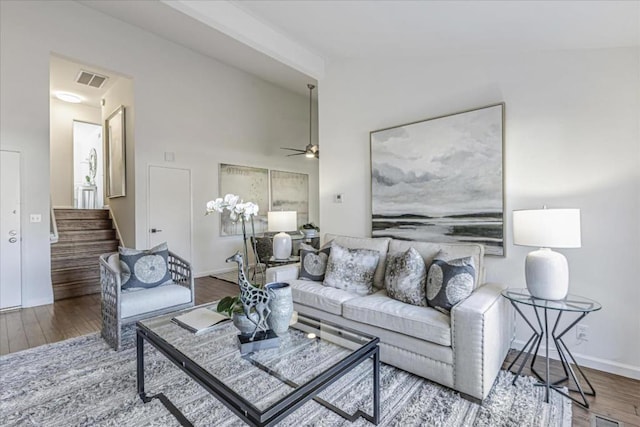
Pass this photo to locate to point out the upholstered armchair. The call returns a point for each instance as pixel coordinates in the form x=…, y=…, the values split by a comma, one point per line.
x=124, y=306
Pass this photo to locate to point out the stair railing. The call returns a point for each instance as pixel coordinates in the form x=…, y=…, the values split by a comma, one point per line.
x=53, y=226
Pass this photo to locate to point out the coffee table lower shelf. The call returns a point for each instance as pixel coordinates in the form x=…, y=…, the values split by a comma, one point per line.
x=247, y=412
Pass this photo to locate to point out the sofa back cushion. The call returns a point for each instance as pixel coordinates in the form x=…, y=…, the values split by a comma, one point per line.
x=450, y=251
x=377, y=244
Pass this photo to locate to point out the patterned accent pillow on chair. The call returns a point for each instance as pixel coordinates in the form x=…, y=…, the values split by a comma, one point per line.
x=351, y=269
x=313, y=262
x=405, y=277
x=146, y=268
x=449, y=282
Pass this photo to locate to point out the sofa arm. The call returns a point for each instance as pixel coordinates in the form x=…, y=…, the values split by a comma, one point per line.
x=481, y=328
x=282, y=273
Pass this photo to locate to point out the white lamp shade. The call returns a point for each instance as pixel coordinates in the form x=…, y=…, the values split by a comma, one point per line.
x=547, y=228
x=282, y=221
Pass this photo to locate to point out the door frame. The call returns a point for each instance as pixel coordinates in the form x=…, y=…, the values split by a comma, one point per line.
x=13, y=149
x=151, y=165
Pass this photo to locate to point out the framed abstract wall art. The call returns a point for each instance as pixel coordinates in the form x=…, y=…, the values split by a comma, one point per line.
x=441, y=179
x=252, y=185
x=290, y=192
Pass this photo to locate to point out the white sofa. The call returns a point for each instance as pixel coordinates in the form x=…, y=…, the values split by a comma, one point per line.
x=463, y=351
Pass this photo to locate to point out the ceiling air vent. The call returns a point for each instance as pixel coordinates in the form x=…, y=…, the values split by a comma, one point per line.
x=91, y=79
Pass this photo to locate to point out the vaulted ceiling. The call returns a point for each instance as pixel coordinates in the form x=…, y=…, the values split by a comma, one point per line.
x=291, y=42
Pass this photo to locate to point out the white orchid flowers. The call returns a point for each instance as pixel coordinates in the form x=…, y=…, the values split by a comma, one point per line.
x=238, y=209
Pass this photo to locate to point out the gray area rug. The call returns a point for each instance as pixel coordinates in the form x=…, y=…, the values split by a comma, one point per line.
x=82, y=382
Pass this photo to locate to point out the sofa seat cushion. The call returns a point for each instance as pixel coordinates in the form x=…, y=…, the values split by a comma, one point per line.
x=380, y=310
x=314, y=294
x=139, y=300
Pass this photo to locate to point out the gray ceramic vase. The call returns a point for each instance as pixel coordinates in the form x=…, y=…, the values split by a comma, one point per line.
x=244, y=325
x=281, y=306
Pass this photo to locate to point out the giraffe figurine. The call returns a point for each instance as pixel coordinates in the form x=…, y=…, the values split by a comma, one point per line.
x=252, y=297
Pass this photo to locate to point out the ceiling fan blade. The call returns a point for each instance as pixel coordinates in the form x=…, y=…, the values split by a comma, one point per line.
x=297, y=154
x=292, y=149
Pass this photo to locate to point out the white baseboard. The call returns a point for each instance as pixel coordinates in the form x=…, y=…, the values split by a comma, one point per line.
x=605, y=365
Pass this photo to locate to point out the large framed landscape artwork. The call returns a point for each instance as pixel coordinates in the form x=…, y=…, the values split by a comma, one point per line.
x=441, y=179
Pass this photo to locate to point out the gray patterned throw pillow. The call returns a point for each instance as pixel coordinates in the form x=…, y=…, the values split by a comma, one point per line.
x=146, y=268
x=449, y=282
x=405, y=277
x=313, y=262
x=351, y=269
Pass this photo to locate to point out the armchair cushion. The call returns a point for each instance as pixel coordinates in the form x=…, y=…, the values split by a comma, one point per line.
x=144, y=268
x=139, y=301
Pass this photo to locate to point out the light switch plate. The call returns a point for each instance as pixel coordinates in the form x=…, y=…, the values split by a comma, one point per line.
x=338, y=198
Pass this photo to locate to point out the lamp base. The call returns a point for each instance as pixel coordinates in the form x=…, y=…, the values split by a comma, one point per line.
x=547, y=274
x=281, y=246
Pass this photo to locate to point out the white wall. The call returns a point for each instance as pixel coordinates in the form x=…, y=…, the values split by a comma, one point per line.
x=61, y=133
x=202, y=110
x=572, y=140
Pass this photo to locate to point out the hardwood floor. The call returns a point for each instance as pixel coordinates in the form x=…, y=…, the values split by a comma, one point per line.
x=617, y=397
x=72, y=317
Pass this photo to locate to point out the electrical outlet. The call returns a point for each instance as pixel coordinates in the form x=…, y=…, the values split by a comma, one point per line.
x=582, y=333
x=35, y=218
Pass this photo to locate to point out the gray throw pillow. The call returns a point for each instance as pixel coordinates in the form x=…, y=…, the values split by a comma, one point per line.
x=144, y=268
x=351, y=269
x=313, y=262
x=449, y=282
x=405, y=277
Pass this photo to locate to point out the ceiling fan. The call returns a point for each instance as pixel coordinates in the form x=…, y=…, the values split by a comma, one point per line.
x=311, y=150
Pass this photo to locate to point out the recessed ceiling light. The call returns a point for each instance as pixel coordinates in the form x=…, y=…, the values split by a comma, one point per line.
x=68, y=97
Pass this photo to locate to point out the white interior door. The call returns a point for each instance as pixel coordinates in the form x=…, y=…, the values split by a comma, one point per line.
x=10, y=246
x=170, y=209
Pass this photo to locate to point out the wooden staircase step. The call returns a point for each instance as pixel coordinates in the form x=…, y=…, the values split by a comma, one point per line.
x=79, y=274
x=81, y=214
x=83, y=235
x=64, y=250
x=74, y=289
x=84, y=224
x=89, y=260
x=86, y=235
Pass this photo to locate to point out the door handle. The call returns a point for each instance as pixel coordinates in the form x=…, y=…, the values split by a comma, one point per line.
x=12, y=240
x=156, y=230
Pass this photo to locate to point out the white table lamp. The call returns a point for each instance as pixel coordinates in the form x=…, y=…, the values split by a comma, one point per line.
x=282, y=221
x=546, y=271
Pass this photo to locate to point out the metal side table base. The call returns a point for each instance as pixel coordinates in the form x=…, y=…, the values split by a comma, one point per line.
x=542, y=331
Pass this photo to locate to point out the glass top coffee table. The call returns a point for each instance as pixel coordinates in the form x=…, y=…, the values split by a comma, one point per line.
x=312, y=355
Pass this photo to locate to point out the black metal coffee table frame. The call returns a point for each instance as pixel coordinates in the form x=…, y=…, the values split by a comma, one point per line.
x=241, y=407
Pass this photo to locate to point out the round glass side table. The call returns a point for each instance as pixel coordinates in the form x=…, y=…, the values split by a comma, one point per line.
x=572, y=304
